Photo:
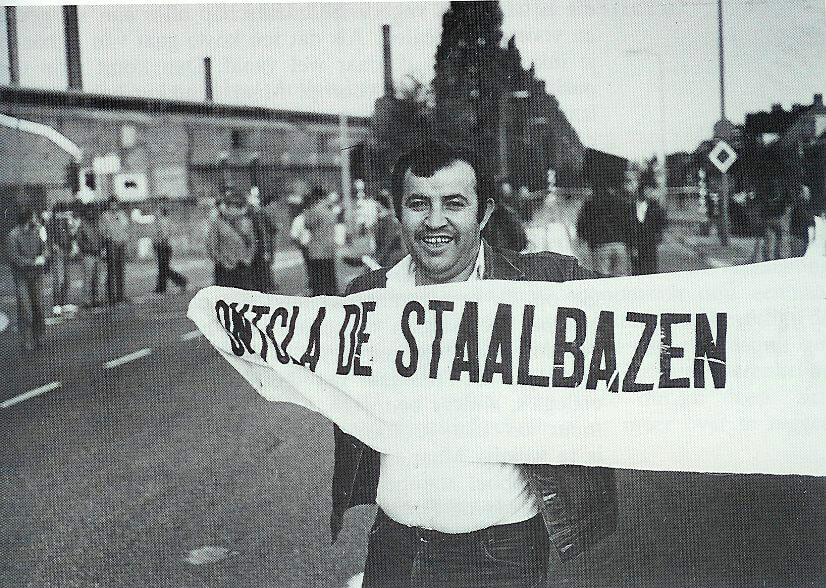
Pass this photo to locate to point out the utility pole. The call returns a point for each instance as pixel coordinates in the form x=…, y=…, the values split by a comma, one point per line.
x=346, y=189
x=724, y=188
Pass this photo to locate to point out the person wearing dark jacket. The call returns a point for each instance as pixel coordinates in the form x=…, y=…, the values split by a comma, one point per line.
x=163, y=249
x=389, y=249
x=114, y=229
x=605, y=223
x=463, y=524
x=649, y=223
x=320, y=218
x=90, y=243
x=27, y=251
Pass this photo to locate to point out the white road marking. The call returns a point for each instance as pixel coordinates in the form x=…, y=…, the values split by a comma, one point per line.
x=208, y=554
x=191, y=335
x=4, y=321
x=127, y=358
x=355, y=581
x=31, y=394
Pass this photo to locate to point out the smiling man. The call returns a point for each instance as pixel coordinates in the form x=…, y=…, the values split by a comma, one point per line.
x=463, y=524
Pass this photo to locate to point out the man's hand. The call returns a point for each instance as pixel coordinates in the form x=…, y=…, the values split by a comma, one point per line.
x=40, y=260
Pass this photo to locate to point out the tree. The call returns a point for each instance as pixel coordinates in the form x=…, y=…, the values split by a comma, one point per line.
x=469, y=80
x=399, y=122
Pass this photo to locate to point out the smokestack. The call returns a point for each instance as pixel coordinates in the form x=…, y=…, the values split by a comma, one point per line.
x=72, y=35
x=11, y=37
x=388, y=66
x=208, y=79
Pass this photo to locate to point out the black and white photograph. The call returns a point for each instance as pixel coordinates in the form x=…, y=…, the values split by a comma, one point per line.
x=413, y=294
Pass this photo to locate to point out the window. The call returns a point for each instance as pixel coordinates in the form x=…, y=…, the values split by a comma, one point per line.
x=128, y=136
x=321, y=143
x=240, y=138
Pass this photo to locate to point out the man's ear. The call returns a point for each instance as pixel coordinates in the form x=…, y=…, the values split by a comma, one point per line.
x=490, y=205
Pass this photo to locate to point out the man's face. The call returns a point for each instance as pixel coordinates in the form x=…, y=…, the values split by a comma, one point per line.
x=439, y=223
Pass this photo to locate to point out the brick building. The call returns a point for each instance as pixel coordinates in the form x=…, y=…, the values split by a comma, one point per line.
x=166, y=148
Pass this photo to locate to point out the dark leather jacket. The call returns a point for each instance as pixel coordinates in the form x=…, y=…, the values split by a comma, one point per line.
x=579, y=504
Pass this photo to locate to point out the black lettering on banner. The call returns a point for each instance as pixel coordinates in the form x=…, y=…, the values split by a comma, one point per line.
x=351, y=311
x=221, y=307
x=281, y=350
x=604, y=348
x=523, y=375
x=501, y=343
x=629, y=382
x=669, y=352
x=258, y=312
x=439, y=306
x=311, y=355
x=563, y=346
x=466, y=357
x=363, y=337
x=714, y=351
x=241, y=328
x=408, y=370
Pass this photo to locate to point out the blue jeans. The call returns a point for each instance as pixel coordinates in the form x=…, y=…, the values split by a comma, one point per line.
x=28, y=289
x=512, y=556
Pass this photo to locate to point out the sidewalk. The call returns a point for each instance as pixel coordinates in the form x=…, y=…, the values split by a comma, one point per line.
x=685, y=224
x=739, y=250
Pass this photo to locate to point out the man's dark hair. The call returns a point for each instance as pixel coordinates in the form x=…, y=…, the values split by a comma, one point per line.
x=430, y=156
x=384, y=199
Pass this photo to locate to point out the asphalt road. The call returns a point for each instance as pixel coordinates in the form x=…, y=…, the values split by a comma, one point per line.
x=153, y=464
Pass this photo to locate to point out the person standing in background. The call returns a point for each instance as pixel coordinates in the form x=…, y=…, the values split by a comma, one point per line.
x=606, y=224
x=802, y=223
x=320, y=218
x=163, y=249
x=389, y=249
x=114, y=230
x=27, y=249
x=62, y=246
x=261, y=266
x=231, y=242
x=300, y=236
x=650, y=222
x=90, y=244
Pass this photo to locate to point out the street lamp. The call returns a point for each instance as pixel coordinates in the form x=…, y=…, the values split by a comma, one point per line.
x=661, y=96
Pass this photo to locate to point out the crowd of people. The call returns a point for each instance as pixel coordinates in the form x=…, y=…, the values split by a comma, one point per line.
x=91, y=238
x=620, y=225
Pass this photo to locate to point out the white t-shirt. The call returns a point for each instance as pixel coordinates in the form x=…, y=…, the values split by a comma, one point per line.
x=451, y=497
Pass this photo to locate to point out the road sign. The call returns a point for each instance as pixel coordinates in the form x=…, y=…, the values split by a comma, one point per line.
x=722, y=156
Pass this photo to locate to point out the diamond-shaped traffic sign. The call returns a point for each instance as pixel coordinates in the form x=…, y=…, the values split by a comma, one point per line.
x=722, y=156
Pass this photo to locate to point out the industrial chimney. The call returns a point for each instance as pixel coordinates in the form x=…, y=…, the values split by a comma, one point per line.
x=70, y=29
x=208, y=79
x=11, y=37
x=388, y=66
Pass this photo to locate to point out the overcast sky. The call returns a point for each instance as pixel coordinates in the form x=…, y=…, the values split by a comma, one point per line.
x=611, y=63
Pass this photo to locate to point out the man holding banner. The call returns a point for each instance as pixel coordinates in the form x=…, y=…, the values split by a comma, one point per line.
x=446, y=523
x=453, y=376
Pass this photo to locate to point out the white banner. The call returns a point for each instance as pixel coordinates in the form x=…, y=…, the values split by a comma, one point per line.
x=711, y=371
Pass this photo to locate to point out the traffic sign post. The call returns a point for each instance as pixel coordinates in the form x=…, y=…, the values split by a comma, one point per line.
x=723, y=156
